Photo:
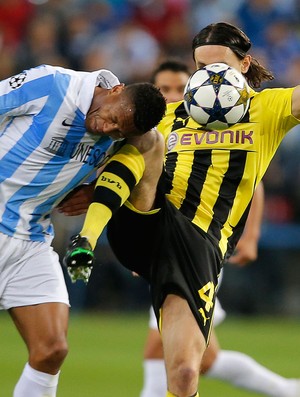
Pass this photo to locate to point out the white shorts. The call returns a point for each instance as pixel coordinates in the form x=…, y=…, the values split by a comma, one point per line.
x=219, y=315
x=30, y=273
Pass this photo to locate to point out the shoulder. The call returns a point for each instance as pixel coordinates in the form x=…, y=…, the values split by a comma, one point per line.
x=41, y=71
x=152, y=141
x=273, y=102
x=274, y=94
x=177, y=108
x=175, y=117
x=276, y=109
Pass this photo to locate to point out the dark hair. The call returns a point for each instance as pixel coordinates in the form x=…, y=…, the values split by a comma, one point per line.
x=228, y=35
x=170, y=65
x=149, y=105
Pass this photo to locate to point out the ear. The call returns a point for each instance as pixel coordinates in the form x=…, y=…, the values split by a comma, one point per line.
x=246, y=62
x=117, y=88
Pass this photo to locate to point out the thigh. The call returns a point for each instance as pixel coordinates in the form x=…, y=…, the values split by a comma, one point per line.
x=46, y=322
x=211, y=353
x=153, y=347
x=187, y=265
x=183, y=342
x=32, y=275
x=179, y=328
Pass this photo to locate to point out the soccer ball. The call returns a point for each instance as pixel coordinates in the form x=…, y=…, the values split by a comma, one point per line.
x=217, y=96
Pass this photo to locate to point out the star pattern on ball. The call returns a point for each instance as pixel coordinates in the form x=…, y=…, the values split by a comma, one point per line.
x=189, y=97
x=217, y=96
x=217, y=112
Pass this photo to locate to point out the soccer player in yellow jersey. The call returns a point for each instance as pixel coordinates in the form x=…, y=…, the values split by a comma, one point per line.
x=234, y=367
x=178, y=238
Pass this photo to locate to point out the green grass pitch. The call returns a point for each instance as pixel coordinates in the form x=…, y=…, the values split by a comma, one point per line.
x=105, y=357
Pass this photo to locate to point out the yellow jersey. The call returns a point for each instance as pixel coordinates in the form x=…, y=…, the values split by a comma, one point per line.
x=212, y=174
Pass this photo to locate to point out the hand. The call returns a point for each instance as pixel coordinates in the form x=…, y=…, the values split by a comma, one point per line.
x=79, y=259
x=246, y=251
x=77, y=201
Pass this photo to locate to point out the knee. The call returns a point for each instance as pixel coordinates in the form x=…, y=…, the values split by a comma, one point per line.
x=185, y=378
x=187, y=374
x=48, y=355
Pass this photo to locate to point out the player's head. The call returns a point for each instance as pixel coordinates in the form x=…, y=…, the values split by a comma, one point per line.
x=149, y=105
x=125, y=111
x=171, y=77
x=224, y=42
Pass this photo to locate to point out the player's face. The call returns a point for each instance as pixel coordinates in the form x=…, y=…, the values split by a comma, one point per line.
x=171, y=84
x=208, y=54
x=111, y=113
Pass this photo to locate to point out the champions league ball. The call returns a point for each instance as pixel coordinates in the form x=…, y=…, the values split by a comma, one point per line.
x=217, y=96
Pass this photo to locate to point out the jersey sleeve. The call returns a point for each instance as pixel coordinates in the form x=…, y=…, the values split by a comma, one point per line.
x=106, y=79
x=277, y=117
x=26, y=92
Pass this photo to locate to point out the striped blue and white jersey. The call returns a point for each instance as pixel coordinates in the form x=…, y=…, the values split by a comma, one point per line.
x=45, y=150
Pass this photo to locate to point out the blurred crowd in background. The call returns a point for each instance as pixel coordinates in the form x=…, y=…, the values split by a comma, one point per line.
x=130, y=38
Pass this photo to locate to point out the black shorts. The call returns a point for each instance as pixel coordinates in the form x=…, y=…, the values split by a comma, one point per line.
x=172, y=254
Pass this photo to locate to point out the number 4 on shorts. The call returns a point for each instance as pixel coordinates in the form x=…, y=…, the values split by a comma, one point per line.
x=207, y=293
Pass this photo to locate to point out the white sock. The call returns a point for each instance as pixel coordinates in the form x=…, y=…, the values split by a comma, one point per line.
x=155, y=379
x=242, y=371
x=34, y=383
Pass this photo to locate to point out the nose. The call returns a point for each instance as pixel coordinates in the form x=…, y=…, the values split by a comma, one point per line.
x=175, y=97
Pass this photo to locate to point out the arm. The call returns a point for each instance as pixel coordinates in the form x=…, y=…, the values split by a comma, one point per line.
x=296, y=102
x=26, y=92
x=246, y=249
x=77, y=201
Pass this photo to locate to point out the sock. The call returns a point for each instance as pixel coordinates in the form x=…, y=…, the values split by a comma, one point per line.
x=155, y=379
x=122, y=172
x=169, y=394
x=242, y=371
x=34, y=383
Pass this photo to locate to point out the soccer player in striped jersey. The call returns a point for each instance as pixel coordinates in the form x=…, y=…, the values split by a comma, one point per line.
x=179, y=240
x=57, y=126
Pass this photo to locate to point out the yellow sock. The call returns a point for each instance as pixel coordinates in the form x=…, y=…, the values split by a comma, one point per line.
x=122, y=172
x=169, y=394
